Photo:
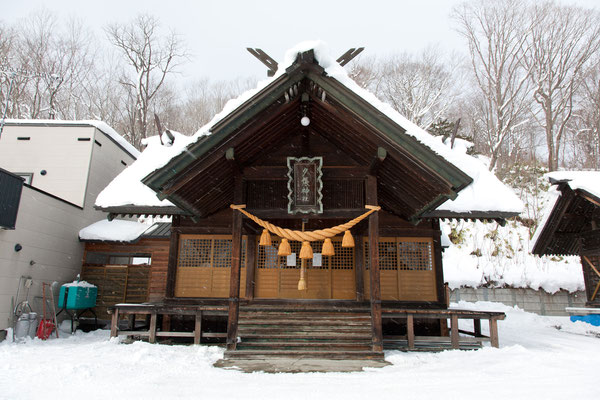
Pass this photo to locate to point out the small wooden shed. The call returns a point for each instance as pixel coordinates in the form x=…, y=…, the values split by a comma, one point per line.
x=571, y=225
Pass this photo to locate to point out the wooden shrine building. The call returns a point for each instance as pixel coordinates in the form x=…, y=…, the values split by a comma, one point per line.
x=256, y=198
x=571, y=225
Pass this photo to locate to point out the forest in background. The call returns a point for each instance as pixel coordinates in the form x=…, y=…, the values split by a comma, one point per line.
x=525, y=88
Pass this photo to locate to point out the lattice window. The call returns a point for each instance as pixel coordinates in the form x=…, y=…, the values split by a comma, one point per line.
x=222, y=253
x=208, y=252
x=195, y=253
x=415, y=256
x=267, y=255
x=402, y=253
x=388, y=255
x=343, y=258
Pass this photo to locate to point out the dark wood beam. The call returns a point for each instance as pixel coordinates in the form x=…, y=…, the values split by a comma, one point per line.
x=265, y=59
x=172, y=263
x=234, y=282
x=359, y=266
x=375, y=278
x=250, y=265
x=349, y=55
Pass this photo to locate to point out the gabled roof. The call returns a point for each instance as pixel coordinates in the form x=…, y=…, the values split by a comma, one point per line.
x=446, y=171
x=573, y=206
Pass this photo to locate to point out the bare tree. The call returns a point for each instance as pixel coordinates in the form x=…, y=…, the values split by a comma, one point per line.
x=585, y=125
x=151, y=57
x=496, y=33
x=418, y=87
x=559, y=49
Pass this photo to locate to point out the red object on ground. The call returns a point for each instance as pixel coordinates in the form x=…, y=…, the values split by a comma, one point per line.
x=45, y=329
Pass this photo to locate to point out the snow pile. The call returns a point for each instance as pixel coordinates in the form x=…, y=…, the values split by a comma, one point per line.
x=100, y=125
x=539, y=357
x=127, y=187
x=486, y=254
x=82, y=284
x=115, y=230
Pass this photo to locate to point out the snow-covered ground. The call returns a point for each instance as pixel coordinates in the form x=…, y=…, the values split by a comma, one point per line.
x=539, y=357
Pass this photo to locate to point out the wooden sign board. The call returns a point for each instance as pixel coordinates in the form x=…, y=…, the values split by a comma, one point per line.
x=305, y=185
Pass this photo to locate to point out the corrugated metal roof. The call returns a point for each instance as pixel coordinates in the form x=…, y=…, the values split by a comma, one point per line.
x=162, y=230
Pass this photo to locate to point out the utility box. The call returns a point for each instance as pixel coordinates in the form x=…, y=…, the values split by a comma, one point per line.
x=77, y=296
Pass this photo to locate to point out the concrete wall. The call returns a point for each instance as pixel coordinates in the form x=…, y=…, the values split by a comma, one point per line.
x=536, y=301
x=54, y=149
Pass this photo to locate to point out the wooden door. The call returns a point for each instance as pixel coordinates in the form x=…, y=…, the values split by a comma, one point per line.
x=204, y=266
x=406, y=267
x=327, y=277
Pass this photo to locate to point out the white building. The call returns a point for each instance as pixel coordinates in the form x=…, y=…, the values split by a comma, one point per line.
x=65, y=165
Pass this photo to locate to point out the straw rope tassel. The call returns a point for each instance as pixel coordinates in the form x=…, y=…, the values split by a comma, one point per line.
x=306, y=252
x=265, y=238
x=347, y=240
x=284, y=248
x=328, y=248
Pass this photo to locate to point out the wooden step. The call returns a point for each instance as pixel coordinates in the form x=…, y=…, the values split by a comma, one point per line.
x=288, y=345
x=267, y=329
x=302, y=335
x=300, y=322
x=318, y=354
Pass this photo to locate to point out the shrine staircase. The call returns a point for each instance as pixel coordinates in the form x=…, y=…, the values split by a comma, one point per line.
x=304, y=332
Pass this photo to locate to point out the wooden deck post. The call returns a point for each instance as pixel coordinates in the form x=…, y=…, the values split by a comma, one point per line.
x=152, y=333
x=234, y=282
x=494, y=332
x=198, y=328
x=410, y=331
x=454, y=329
x=114, y=323
x=377, y=333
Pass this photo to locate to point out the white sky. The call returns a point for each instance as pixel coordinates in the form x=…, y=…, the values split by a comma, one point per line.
x=218, y=32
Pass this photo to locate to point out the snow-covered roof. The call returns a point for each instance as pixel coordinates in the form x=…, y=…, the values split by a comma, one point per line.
x=100, y=125
x=584, y=180
x=127, y=189
x=114, y=231
x=485, y=194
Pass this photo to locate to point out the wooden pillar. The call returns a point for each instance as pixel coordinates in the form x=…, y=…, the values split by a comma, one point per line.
x=454, y=329
x=173, y=250
x=437, y=263
x=494, y=332
x=198, y=327
x=234, y=282
x=410, y=331
x=114, y=324
x=250, y=265
x=359, y=267
x=152, y=333
x=377, y=332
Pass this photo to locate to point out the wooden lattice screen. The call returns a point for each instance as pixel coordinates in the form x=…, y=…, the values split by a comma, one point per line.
x=203, y=266
x=406, y=269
